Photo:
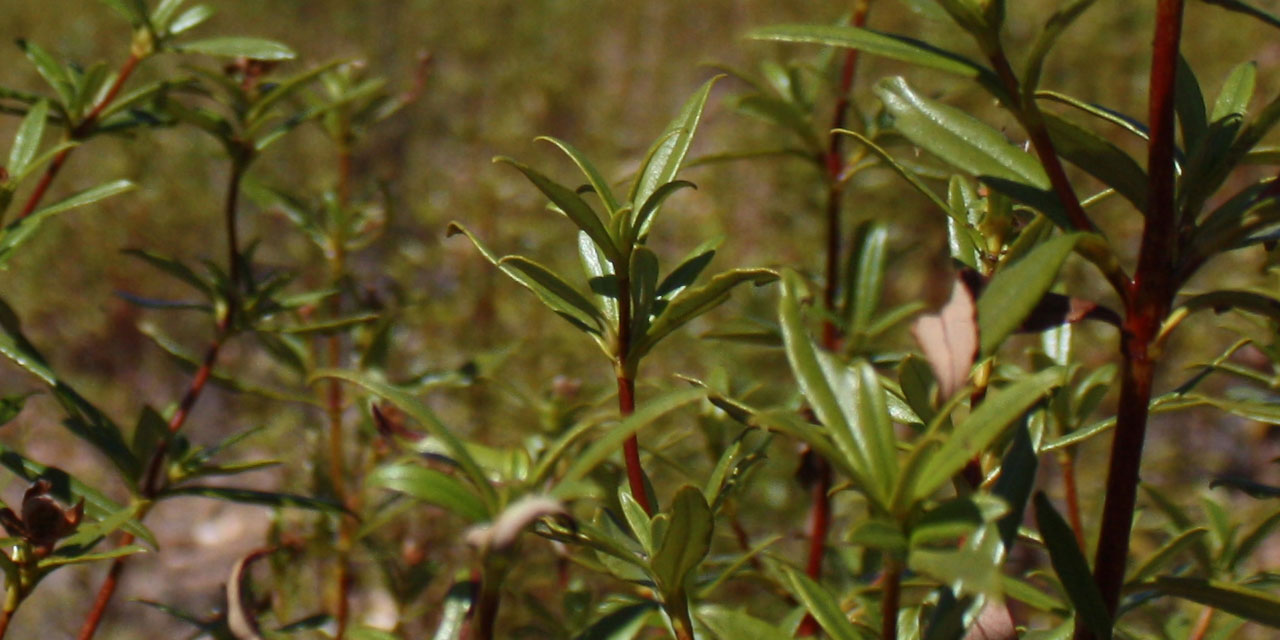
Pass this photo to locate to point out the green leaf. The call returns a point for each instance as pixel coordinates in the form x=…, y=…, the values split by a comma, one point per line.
x=110, y=554
x=911, y=178
x=985, y=425
x=891, y=46
x=667, y=154
x=691, y=303
x=1167, y=552
x=865, y=275
x=728, y=624
x=253, y=496
x=1126, y=122
x=650, y=207
x=150, y=431
x=52, y=72
x=611, y=443
x=1250, y=541
x=236, y=47
x=685, y=544
x=957, y=137
x=22, y=229
x=1236, y=92
x=1250, y=604
x=688, y=270
x=550, y=288
x=849, y=401
x=430, y=486
x=188, y=20
x=593, y=175
x=822, y=605
x=69, y=490
x=1072, y=568
x=1016, y=289
x=1189, y=105
x=27, y=141
x=262, y=107
x=428, y=420
x=1098, y=157
x=600, y=276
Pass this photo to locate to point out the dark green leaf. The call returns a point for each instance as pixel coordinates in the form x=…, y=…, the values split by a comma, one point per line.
x=1101, y=159
x=430, y=486
x=688, y=270
x=1071, y=567
x=622, y=623
x=691, y=303
x=252, y=496
x=550, y=288
x=1016, y=289
x=235, y=47
x=1189, y=104
x=151, y=430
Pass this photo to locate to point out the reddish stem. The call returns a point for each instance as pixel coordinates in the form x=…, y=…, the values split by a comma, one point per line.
x=81, y=130
x=1146, y=307
x=334, y=399
x=631, y=448
x=1068, y=462
x=834, y=165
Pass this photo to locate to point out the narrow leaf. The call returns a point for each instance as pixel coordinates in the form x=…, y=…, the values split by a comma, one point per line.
x=822, y=605
x=686, y=542
x=430, y=486
x=573, y=206
x=1236, y=92
x=236, y=47
x=1015, y=290
x=957, y=137
x=691, y=303
x=1001, y=409
x=1072, y=569
x=27, y=141
x=611, y=443
x=594, y=178
x=667, y=155
x=1250, y=604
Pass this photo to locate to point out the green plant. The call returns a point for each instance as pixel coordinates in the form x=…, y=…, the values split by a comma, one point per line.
x=924, y=456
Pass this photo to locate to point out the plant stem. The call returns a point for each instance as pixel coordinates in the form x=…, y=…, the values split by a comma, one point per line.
x=1147, y=304
x=151, y=483
x=1067, y=460
x=627, y=395
x=486, y=611
x=81, y=130
x=834, y=166
x=1202, y=625
x=891, y=590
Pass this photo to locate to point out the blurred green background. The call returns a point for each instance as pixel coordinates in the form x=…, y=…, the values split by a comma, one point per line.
x=606, y=75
